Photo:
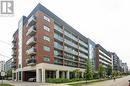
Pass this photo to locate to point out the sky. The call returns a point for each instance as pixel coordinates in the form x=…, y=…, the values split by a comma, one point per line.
x=106, y=22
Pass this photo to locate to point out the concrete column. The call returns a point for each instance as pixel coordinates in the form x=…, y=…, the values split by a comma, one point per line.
x=16, y=76
x=57, y=74
x=63, y=74
x=82, y=74
x=13, y=76
x=37, y=75
x=43, y=75
x=68, y=75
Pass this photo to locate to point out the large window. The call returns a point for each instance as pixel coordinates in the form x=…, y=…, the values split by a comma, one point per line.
x=46, y=58
x=46, y=28
x=46, y=18
x=46, y=48
x=46, y=38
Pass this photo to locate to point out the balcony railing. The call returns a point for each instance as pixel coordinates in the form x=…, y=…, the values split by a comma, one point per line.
x=83, y=55
x=32, y=20
x=70, y=43
x=31, y=61
x=58, y=46
x=31, y=31
x=14, y=53
x=31, y=51
x=82, y=49
x=58, y=37
x=14, y=41
x=13, y=65
x=31, y=41
x=71, y=51
x=58, y=29
x=14, y=47
x=83, y=43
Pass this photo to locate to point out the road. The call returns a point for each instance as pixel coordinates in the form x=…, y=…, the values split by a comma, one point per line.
x=118, y=82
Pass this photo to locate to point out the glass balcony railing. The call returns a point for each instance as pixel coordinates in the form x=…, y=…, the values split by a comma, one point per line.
x=31, y=41
x=83, y=43
x=31, y=20
x=82, y=49
x=56, y=27
x=83, y=55
x=71, y=51
x=70, y=43
x=31, y=51
x=31, y=31
x=31, y=61
x=71, y=36
x=13, y=65
x=58, y=37
x=58, y=46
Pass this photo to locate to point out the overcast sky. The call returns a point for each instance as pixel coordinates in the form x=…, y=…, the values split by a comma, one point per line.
x=106, y=22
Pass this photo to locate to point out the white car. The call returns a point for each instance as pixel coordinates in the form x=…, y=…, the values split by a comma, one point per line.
x=32, y=79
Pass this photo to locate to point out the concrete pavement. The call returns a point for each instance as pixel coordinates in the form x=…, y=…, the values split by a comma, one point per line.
x=118, y=82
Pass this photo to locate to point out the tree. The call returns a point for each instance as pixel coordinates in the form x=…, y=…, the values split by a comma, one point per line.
x=89, y=70
x=77, y=73
x=109, y=70
x=101, y=71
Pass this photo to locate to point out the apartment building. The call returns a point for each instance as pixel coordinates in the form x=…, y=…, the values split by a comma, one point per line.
x=124, y=67
x=44, y=46
x=2, y=63
x=116, y=62
x=8, y=65
x=102, y=57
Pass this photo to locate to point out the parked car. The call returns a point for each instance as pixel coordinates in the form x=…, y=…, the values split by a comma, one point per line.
x=32, y=79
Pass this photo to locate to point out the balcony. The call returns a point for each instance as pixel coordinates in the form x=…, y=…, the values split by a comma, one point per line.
x=32, y=21
x=31, y=61
x=14, y=41
x=31, y=31
x=31, y=51
x=31, y=41
x=13, y=65
x=70, y=43
x=71, y=36
x=71, y=51
x=14, y=53
x=83, y=43
x=14, y=47
x=83, y=49
x=58, y=46
x=58, y=37
x=58, y=28
x=83, y=55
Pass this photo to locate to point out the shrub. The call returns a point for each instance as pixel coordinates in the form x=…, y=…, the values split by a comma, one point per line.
x=63, y=80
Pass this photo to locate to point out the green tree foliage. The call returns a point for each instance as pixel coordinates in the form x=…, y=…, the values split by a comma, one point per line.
x=77, y=73
x=101, y=71
x=89, y=71
x=109, y=70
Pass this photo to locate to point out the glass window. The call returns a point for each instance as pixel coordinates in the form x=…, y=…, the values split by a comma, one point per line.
x=46, y=58
x=46, y=48
x=46, y=18
x=46, y=38
x=46, y=28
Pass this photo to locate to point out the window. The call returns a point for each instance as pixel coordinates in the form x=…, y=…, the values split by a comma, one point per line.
x=47, y=28
x=46, y=58
x=46, y=48
x=46, y=38
x=46, y=18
